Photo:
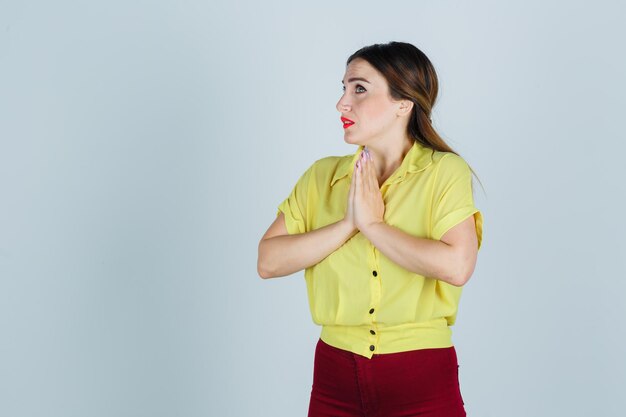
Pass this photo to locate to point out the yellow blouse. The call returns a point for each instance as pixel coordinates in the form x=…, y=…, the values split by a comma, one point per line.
x=364, y=302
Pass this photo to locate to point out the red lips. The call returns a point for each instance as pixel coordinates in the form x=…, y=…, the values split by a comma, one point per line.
x=346, y=122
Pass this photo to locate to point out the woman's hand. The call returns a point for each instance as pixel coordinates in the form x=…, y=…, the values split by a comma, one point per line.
x=366, y=206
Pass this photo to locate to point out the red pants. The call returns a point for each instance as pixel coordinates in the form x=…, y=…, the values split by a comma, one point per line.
x=422, y=383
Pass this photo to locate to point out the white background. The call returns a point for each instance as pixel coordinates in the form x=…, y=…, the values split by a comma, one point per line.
x=145, y=146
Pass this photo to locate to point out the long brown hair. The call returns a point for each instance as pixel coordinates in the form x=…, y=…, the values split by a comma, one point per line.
x=411, y=76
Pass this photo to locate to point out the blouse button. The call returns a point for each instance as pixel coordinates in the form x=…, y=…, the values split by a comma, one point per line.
x=374, y=273
x=372, y=332
x=371, y=310
x=372, y=348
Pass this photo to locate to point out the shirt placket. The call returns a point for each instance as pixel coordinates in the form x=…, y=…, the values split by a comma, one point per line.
x=375, y=282
x=375, y=291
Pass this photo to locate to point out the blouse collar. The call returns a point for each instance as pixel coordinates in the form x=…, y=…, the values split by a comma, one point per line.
x=418, y=158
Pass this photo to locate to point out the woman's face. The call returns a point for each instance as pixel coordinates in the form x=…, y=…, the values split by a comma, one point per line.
x=367, y=103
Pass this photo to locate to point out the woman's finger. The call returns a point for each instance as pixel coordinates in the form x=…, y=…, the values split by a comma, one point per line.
x=366, y=174
x=373, y=182
x=359, y=179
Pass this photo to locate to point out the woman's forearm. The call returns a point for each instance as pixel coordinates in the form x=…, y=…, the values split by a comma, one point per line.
x=286, y=254
x=427, y=257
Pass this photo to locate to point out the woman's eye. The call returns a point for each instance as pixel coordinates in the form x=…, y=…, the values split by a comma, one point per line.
x=357, y=87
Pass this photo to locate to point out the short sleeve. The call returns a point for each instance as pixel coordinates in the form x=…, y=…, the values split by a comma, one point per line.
x=294, y=206
x=453, y=200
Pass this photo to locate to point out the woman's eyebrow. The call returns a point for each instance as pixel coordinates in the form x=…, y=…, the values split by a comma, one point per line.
x=356, y=79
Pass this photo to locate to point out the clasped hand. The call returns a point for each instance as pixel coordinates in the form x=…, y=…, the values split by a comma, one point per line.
x=365, y=202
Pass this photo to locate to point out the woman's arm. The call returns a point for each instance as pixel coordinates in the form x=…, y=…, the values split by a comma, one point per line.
x=283, y=254
x=452, y=259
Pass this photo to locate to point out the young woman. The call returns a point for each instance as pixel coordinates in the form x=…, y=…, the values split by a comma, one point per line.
x=387, y=236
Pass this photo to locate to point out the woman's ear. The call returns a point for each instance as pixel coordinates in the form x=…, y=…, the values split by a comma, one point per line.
x=405, y=107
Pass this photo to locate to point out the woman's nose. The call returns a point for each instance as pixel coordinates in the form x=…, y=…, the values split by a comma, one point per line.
x=342, y=106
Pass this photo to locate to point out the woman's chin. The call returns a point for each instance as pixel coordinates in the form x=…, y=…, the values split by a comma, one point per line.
x=350, y=139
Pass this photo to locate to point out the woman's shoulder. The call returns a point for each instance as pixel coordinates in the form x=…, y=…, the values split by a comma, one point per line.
x=331, y=163
x=328, y=169
x=448, y=160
